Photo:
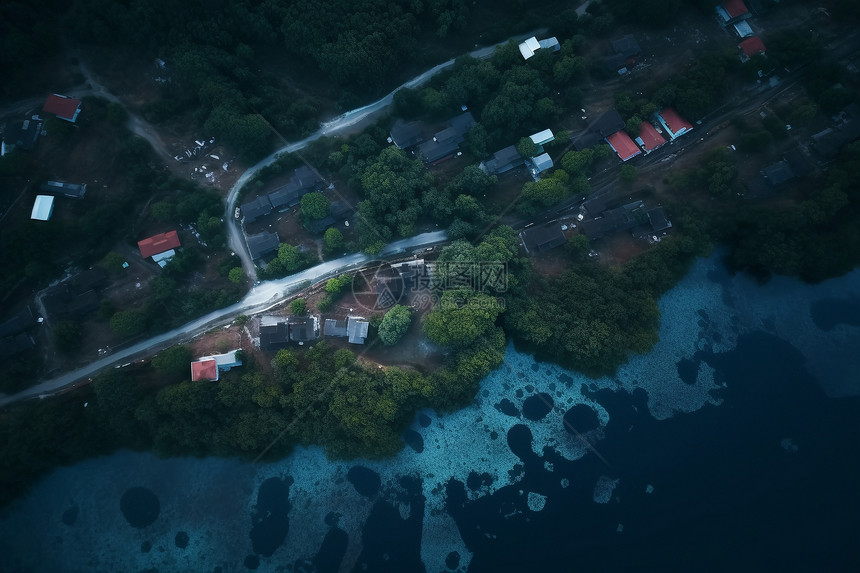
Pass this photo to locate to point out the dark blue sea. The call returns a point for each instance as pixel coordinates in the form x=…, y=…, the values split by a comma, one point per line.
x=734, y=445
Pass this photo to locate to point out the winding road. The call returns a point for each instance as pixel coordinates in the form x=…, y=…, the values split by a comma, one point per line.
x=267, y=294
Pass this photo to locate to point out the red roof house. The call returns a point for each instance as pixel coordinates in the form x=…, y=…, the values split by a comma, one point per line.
x=204, y=369
x=623, y=145
x=735, y=8
x=752, y=46
x=158, y=244
x=674, y=124
x=649, y=138
x=63, y=107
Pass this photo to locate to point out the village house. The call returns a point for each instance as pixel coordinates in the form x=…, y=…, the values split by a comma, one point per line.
x=20, y=135
x=160, y=247
x=209, y=368
x=598, y=130
x=277, y=331
x=43, y=208
x=63, y=107
x=70, y=190
x=262, y=244
x=253, y=210
x=540, y=238
x=750, y=47
x=650, y=224
x=406, y=134
x=446, y=143
x=732, y=12
x=356, y=329
x=532, y=45
x=502, y=161
x=649, y=138
x=673, y=123
x=624, y=53
x=75, y=297
x=623, y=145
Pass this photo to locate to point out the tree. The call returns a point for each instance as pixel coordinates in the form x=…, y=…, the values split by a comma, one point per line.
x=113, y=262
x=236, y=275
x=527, y=148
x=298, y=306
x=67, y=335
x=315, y=205
x=628, y=174
x=332, y=240
x=127, y=323
x=462, y=318
x=394, y=324
x=173, y=363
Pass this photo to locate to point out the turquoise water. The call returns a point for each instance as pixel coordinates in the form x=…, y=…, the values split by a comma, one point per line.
x=709, y=320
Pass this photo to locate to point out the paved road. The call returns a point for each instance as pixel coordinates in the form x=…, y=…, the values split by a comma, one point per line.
x=261, y=297
x=350, y=119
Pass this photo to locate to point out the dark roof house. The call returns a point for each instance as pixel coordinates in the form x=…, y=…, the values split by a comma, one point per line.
x=607, y=123
x=18, y=322
x=303, y=328
x=318, y=226
x=447, y=142
x=70, y=190
x=618, y=219
x=253, y=210
x=262, y=244
x=503, y=161
x=274, y=332
x=626, y=46
x=335, y=327
x=21, y=134
x=63, y=107
x=540, y=238
x=17, y=344
x=406, y=134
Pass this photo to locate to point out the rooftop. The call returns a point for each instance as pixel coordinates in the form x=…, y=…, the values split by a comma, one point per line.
x=252, y=210
x=335, y=327
x=607, y=123
x=406, y=134
x=70, y=190
x=735, y=8
x=262, y=244
x=540, y=238
x=529, y=47
x=42, y=208
x=205, y=369
x=625, y=147
x=626, y=46
x=649, y=138
x=158, y=244
x=752, y=46
x=63, y=107
x=356, y=328
x=674, y=123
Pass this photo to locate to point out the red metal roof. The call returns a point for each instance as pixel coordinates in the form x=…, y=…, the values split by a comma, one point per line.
x=752, y=46
x=651, y=138
x=623, y=145
x=204, y=370
x=735, y=8
x=61, y=106
x=158, y=244
x=674, y=121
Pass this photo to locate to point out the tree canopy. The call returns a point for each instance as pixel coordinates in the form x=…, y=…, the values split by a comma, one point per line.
x=394, y=324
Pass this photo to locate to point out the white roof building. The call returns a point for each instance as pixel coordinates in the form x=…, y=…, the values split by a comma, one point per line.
x=529, y=47
x=43, y=208
x=356, y=329
x=542, y=137
x=743, y=29
x=540, y=164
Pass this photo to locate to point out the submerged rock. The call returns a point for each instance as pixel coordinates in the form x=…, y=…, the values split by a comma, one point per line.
x=140, y=507
x=70, y=516
x=507, y=407
x=252, y=562
x=414, y=440
x=364, y=480
x=538, y=406
x=271, y=522
x=181, y=540
x=581, y=418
